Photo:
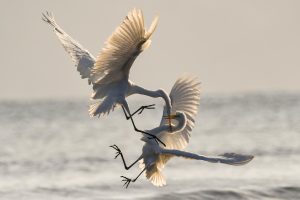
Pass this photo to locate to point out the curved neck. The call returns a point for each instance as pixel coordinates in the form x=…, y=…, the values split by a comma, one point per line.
x=135, y=89
x=181, y=123
x=167, y=99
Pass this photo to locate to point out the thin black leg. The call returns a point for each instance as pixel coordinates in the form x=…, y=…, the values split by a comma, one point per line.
x=125, y=113
x=139, y=111
x=121, y=154
x=139, y=175
x=150, y=136
x=128, y=180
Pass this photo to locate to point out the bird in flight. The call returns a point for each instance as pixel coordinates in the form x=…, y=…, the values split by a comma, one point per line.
x=185, y=97
x=109, y=71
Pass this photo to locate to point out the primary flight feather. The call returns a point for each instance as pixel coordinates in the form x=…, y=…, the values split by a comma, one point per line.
x=185, y=97
x=109, y=72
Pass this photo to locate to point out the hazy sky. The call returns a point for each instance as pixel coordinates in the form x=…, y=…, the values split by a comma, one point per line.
x=233, y=46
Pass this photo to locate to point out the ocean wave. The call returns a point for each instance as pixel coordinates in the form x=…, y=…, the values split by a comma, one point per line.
x=283, y=192
x=58, y=164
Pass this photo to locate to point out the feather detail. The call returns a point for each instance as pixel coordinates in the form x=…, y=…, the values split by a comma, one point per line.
x=185, y=97
x=101, y=107
x=121, y=49
x=84, y=61
x=155, y=176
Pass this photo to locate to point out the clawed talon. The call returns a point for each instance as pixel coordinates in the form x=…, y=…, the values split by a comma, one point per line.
x=117, y=149
x=147, y=107
x=126, y=180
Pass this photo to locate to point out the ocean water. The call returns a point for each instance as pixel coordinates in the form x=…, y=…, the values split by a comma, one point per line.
x=53, y=150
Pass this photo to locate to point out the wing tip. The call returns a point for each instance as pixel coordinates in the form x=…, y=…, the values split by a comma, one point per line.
x=48, y=17
x=152, y=27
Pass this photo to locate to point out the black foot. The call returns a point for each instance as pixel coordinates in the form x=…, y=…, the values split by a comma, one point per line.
x=146, y=107
x=115, y=147
x=139, y=111
x=126, y=180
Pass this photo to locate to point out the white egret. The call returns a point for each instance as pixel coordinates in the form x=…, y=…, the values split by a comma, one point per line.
x=185, y=96
x=109, y=72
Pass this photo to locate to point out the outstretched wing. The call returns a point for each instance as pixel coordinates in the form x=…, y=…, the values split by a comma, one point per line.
x=83, y=60
x=227, y=158
x=185, y=97
x=121, y=49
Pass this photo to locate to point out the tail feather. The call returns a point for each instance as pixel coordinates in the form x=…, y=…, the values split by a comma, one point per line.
x=101, y=107
x=101, y=91
x=155, y=176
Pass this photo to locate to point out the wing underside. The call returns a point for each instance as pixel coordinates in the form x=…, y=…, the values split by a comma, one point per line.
x=122, y=48
x=83, y=60
x=185, y=97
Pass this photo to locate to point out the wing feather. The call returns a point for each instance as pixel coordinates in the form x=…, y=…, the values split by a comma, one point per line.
x=121, y=49
x=83, y=60
x=226, y=158
x=185, y=97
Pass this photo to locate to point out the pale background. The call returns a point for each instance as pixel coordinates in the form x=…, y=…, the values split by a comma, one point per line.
x=233, y=46
x=245, y=53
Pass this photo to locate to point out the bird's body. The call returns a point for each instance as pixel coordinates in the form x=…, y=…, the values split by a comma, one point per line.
x=185, y=96
x=109, y=71
x=110, y=95
x=155, y=157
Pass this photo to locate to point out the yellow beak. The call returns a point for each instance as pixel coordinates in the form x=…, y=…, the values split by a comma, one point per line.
x=170, y=117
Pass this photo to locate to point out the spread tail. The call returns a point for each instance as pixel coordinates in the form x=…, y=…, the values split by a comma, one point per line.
x=155, y=176
x=101, y=107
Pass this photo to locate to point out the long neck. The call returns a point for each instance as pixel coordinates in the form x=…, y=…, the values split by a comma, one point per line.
x=181, y=123
x=134, y=89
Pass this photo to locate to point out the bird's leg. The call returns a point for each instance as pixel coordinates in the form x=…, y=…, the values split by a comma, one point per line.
x=127, y=116
x=128, y=180
x=139, y=111
x=155, y=94
x=150, y=136
x=121, y=154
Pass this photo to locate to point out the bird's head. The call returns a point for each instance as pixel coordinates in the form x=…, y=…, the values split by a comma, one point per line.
x=180, y=118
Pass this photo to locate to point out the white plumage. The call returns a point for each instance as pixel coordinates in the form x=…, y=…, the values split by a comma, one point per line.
x=109, y=72
x=185, y=97
x=84, y=61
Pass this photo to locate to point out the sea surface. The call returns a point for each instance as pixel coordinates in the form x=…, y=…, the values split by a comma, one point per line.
x=52, y=149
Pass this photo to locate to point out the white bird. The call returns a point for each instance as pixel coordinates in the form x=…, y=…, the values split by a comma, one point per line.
x=109, y=72
x=185, y=96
